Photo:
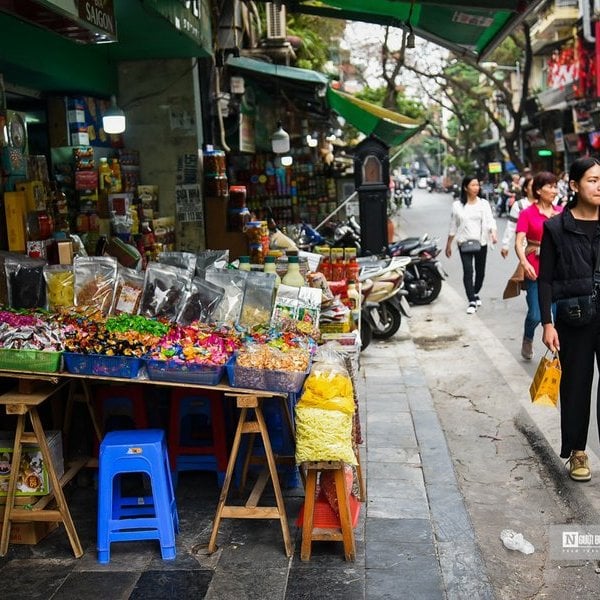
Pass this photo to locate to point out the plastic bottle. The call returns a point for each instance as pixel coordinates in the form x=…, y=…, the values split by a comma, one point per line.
x=352, y=269
x=270, y=268
x=116, y=183
x=104, y=174
x=293, y=276
x=244, y=263
x=353, y=296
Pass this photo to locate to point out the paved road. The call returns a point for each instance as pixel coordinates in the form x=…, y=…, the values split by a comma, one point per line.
x=431, y=213
x=503, y=448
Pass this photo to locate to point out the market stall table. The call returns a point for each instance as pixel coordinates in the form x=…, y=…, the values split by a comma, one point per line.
x=25, y=401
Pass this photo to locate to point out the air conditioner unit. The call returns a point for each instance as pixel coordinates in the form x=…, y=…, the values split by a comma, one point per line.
x=276, y=28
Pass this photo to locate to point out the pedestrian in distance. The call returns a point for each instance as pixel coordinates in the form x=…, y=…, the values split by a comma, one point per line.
x=513, y=215
x=472, y=224
x=568, y=259
x=530, y=227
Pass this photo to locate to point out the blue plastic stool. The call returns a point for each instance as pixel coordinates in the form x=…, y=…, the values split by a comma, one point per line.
x=197, y=435
x=133, y=518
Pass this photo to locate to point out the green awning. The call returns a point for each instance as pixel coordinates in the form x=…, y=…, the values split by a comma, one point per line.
x=146, y=29
x=471, y=29
x=389, y=126
x=262, y=68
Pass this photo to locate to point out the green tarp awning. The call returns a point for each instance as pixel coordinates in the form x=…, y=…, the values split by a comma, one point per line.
x=260, y=67
x=389, y=126
x=470, y=29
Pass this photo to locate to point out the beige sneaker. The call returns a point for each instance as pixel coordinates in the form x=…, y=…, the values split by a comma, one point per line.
x=527, y=349
x=579, y=469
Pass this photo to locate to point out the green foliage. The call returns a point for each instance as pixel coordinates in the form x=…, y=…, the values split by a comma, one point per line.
x=405, y=106
x=317, y=35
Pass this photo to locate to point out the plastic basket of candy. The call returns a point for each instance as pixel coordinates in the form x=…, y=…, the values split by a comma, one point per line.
x=180, y=372
x=30, y=360
x=265, y=379
x=101, y=364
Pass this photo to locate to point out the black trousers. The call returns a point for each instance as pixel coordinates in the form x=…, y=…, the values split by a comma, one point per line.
x=579, y=349
x=473, y=271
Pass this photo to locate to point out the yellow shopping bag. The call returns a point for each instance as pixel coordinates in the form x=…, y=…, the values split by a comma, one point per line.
x=546, y=382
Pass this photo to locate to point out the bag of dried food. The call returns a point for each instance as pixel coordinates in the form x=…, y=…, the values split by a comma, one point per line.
x=60, y=286
x=164, y=289
x=183, y=260
x=211, y=259
x=128, y=293
x=324, y=415
x=200, y=302
x=234, y=283
x=25, y=281
x=95, y=282
x=258, y=299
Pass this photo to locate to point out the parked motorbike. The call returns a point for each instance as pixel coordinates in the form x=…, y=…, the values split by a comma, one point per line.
x=335, y=235
x=424, y=274
x=383, y=299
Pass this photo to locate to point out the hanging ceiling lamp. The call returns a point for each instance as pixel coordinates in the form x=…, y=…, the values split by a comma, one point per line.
x=113, y=120
x=280, y=140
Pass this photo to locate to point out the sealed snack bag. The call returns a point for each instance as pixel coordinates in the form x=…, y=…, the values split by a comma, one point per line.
x=60, y=286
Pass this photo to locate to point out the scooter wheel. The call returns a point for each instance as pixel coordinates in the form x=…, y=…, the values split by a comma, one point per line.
x=366, y=335
x=390, y=319
x=430, y=288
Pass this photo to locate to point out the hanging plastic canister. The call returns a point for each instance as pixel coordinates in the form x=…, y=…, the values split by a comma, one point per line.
x=214, y=162
x=237, y=196
x=237, y=219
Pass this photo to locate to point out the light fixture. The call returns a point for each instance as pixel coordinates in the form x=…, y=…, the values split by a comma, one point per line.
x=313, y=140
x=287, y=161
x=113, y=120
x=280, y=140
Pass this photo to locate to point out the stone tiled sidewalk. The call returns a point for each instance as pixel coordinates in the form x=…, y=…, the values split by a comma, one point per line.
x=414, y=538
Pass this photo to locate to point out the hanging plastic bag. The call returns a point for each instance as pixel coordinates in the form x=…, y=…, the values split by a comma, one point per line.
x=545, y=386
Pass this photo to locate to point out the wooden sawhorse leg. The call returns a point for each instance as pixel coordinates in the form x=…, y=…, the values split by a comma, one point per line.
x=11, y=513
x=251, y=510
x=344, y=532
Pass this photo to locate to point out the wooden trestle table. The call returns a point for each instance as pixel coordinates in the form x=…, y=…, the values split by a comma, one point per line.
x=33, y=389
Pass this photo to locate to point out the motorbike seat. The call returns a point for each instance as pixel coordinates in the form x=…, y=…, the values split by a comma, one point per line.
x=405, y=246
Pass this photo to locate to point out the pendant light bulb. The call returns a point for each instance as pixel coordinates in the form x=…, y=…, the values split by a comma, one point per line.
x=280, y=140
x=410, y=40
x=113, y=120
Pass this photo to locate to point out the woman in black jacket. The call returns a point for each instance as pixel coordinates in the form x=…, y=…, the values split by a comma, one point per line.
x=568, y=258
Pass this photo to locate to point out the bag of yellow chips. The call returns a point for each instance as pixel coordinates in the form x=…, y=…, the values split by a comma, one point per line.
x=324, y=413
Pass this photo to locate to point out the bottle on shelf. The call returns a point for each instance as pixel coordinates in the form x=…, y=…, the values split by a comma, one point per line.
x=353, y=296
x=293, y=277
x=104, y=175
x=116, y=182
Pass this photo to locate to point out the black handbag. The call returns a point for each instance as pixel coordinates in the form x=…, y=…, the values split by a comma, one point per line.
x=470, y=246
x=580, y=310
x=577, y=311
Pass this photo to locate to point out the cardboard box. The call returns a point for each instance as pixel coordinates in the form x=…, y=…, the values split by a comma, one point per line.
x=79, y=138
x=33, y=477
x=28, y=532
x=76, y=116
x=35, y=195
x=14, y=208
x=65, y=252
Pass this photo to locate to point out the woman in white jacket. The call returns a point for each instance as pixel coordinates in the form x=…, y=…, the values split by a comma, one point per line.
x=471, y=220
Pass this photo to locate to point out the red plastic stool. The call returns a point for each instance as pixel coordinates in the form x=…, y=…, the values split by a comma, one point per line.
x=197, y=433
x=120, y=401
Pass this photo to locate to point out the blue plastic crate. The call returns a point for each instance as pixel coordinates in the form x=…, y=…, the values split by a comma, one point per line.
x=265, y=379
x=99, y=364
x=165, y=370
